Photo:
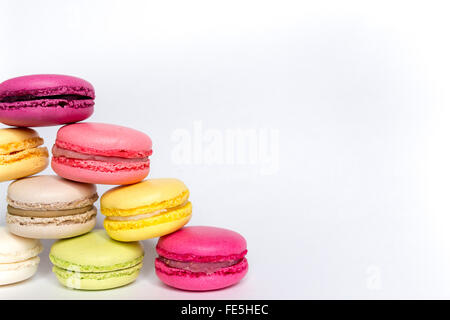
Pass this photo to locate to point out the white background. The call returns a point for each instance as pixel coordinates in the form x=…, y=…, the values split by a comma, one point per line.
x=358, y=92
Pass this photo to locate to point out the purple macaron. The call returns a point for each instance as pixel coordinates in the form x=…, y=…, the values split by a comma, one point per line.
x=45, y=100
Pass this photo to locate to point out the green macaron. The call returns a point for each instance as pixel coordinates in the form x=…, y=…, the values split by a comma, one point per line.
x=94, y=261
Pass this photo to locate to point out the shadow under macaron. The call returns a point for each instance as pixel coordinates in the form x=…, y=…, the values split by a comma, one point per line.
x=148, y=269
x=45, y=265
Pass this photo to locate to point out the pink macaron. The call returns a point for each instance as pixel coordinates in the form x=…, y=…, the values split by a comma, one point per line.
x=201, y=258
x=101, y=153
x=45, y=100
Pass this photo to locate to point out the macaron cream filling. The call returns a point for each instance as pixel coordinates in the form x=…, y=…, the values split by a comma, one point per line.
x=48, y=213
x=105, y=151
x=202, y=267
x=30, y=262
x=100, y=160
x=149, y=214
x=57, y=96
x=85, y=269
x=61, y=219
x=52, y=97
x=64, y=274
x=60, y=152
x=73, y=101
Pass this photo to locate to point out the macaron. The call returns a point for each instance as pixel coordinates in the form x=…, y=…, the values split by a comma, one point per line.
x=201, y=258
x=18, y=257
x=101, y=153
x=149, y=209
x=45, y=100
x=21, y=153
x=94, y=261
x=50, y=207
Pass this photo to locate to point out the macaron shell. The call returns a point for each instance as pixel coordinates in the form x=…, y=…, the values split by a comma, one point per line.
x=201, y=282
x=32, y=114
x=19, y=271
x=16, y=139
x=203, y=241
x=49, y=189
x=153, y=227
x=97, y=281
x=17, y=249
x=148, y=232
x=95, y=252
x=104, y=139
x=49, y=228
x=46, y=84
x=35, y=161
x=144, y=197
x=93, y=175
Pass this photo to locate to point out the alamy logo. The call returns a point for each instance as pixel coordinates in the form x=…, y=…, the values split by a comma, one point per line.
x=251, y=146
x=74, y=279
x=373, y=280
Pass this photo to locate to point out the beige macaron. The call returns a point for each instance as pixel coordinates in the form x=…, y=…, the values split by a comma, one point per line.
x=50, y=207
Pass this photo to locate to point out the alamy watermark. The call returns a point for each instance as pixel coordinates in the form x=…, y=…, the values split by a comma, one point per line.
x=233, y=146
x=373, y=279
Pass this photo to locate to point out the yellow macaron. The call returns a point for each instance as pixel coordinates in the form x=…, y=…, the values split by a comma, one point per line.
x=148, y=209
x=21, y=153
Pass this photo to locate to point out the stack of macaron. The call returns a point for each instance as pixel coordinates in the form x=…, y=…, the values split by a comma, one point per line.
x=62, y=206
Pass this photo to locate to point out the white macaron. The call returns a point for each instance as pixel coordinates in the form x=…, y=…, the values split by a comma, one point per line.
x=18, y=257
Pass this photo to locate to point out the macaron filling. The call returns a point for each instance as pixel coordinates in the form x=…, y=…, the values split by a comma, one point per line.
x=85, y=269
x=29, y=97
x=107, y=152
x=203, y=267
x=69, y=154
x=30, y=262
x=72, y=101
x=55, y=219
x=100, y=160
x=147, y=215
x=47, y=213
x=23, y=154
x=70, y=274
x=59, y=96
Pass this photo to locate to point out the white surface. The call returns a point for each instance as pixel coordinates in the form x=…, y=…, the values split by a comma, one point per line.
x=357, y=93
